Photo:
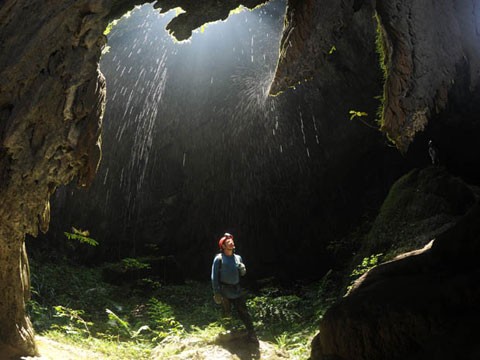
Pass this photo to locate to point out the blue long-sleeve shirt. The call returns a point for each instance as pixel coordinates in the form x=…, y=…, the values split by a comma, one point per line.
x=225, y=271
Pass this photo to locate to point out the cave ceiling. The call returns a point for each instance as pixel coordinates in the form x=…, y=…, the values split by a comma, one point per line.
x=193, y=14
x=424, y=49
x=427, y=49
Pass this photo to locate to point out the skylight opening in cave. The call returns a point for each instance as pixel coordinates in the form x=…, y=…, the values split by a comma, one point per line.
x=154, y=83
x=190, y=125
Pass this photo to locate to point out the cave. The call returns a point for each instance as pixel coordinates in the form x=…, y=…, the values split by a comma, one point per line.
x=408, y=69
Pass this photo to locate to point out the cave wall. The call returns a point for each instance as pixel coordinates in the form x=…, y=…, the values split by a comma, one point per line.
x=427, y=49
x=51, y=104
x=51, y=117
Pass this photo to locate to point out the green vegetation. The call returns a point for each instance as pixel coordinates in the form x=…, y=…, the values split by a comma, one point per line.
x=110, y=27
x=360, y=115
x=382, y=49
x=73, y=305
x=132, y=263
x=420, y=205
x=354, y=114
x=115, y=22
x=81, y=236
x=367, y=264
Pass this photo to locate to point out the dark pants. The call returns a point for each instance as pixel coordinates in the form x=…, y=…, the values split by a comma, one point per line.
x=242, y=310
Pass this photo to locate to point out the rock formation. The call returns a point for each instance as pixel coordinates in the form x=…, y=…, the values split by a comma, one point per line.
x=427, y=48
x=422, y=305
x=52, y=96
x=51, y=105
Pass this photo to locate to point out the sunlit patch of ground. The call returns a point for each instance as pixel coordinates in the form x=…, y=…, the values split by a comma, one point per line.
x=172, y=349
x=53, y=350
x=226, y=349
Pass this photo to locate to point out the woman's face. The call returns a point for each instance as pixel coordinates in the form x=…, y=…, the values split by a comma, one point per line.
x=229, y=244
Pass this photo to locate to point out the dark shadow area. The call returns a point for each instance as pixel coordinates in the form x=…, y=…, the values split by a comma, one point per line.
x=238, y=343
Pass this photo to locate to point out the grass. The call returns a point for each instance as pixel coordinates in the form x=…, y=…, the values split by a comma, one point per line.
x=73, y=305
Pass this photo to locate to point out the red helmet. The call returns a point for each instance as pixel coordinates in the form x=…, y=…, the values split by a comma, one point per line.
x=223, y=239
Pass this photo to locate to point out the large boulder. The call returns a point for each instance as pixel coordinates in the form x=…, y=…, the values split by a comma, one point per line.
x=424, y=304
x=419, y=206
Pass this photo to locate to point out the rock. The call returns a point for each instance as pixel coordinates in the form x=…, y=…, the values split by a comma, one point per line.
x=51, y=107
x=426, y=48
x=198, y=13
x=423, y=305
x=419, y=206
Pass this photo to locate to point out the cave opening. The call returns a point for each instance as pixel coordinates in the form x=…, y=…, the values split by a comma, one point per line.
x=193, y=147
x=179, y=115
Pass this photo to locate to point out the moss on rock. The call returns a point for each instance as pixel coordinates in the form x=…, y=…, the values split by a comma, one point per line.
x=419, y=206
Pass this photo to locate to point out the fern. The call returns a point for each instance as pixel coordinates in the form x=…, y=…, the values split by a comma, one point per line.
x=81, y=236
x=123, y=325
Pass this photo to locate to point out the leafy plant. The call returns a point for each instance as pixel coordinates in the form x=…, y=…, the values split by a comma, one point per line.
x=324, y=296
x=281, y=309
x=134, y=264
x=282, y=340
x=354, y=114
x=81, y=236
x=39, y=314
x=361, y=115
x=117, y=323
x=162, y=319
x=210, y=332
x=122, y=328
x=367, y=264
x=383, y=60
x=74, y=323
